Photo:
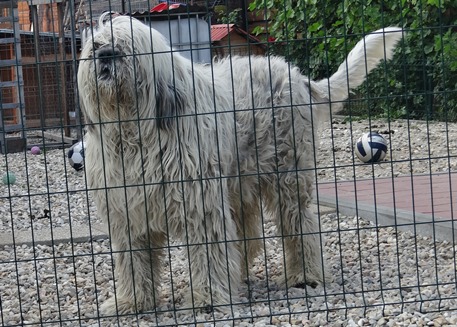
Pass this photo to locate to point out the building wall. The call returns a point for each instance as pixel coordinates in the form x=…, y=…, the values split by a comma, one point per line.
x=236, y=45
x=47, y=17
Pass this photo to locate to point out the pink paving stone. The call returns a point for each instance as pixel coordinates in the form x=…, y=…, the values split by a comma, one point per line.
x=426, y=187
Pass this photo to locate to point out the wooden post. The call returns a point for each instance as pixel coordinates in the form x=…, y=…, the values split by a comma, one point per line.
x=36, y=39
x=63, y=75
x=62, y=56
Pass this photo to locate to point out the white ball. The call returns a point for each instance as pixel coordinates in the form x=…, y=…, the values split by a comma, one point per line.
x=371, y=147
x=76, y=155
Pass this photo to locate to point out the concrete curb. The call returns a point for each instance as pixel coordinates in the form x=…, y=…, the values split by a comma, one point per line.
x=401, y=219
x=56, y=235
x=419, y=224
x=78, y=233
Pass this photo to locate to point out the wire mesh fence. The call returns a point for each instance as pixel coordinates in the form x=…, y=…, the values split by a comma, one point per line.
x=159, y=187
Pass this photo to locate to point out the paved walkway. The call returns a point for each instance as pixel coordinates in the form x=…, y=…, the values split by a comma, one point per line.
x=424, y=203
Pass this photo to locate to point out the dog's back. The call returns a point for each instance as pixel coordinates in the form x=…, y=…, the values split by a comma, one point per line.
x=277, y=107
x=265, y=82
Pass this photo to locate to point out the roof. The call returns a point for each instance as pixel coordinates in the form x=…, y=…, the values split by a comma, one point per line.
x=219, y=31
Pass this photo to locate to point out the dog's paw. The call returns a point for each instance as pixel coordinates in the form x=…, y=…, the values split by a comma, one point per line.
x=312, y=284
x=298, y=280
x=116, y=306
x=199, y=301
x=328, y=278
x=205, y=302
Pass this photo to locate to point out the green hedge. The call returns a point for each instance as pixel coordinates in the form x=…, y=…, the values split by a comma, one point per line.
x=420, y=82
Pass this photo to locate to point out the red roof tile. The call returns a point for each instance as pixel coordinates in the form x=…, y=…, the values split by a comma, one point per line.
x=219, y=31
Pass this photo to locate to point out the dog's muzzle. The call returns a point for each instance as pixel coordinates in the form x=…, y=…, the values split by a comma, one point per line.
x=106, y=58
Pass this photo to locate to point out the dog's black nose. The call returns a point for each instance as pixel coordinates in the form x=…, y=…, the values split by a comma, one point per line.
x=107, y=54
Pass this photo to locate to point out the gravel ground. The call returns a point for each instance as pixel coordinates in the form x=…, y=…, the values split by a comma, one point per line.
x=382, y=277
x=414, y=147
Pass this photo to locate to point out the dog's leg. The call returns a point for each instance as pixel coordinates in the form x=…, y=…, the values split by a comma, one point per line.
x=247, y=217
x=250, y=233
x=303, y=253
x=137, y=271
x=299, y=227
x=213, y=253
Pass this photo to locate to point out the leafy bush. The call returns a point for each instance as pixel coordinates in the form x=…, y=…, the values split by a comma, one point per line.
x=420, y=82
x=225, y=17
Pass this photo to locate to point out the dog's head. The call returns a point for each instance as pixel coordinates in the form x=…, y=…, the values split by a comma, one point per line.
x=125, y=72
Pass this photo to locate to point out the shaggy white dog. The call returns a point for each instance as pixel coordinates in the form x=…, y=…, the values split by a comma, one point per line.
x=194, y=152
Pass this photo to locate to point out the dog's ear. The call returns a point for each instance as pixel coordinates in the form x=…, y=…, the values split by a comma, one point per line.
x=169, y=104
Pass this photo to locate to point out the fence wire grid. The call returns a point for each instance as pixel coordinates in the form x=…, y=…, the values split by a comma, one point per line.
x=166, y=225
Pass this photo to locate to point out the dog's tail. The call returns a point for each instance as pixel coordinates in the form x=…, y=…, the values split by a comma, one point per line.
x=365, y=56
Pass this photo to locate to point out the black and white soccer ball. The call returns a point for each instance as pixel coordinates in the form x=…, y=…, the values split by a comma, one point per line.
x=371, y=147
x=76, y=155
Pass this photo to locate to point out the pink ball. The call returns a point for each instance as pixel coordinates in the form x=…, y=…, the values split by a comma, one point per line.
x=35, y=150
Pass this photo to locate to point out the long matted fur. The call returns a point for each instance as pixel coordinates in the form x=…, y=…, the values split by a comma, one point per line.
x=193, y=152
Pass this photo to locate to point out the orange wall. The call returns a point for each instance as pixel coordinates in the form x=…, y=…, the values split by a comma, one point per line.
x=47, y=16
x=24, y=20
